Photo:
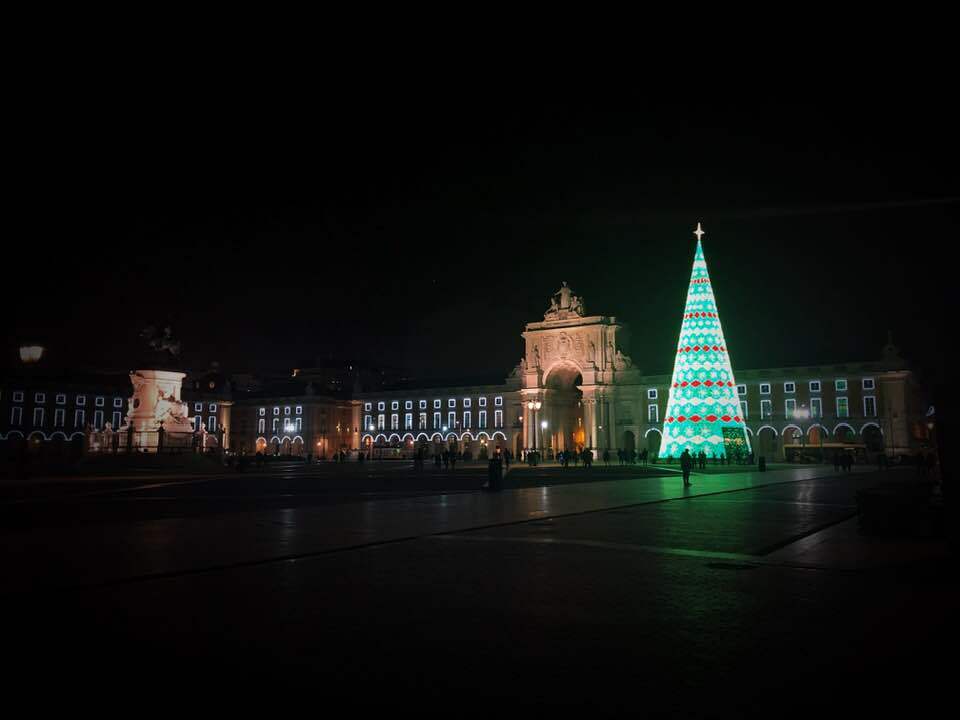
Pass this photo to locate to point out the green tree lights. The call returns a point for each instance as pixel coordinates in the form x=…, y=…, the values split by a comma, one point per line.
x=703, y=410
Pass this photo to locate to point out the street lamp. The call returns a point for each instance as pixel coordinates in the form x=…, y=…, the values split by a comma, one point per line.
x=543, y=429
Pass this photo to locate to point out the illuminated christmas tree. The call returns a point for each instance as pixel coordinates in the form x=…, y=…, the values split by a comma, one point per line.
x=703, y=410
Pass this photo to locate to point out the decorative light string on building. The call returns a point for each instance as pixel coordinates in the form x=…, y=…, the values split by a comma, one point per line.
x=703, y=409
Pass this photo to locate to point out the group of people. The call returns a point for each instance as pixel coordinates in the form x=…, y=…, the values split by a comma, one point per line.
x=447, y=458
x=736, y=458
x=628, y=457
x=577, y=455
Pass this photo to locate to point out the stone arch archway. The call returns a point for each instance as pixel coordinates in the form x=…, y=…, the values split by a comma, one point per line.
x=766, y=442
x=653, y=437
x=872, y=438
x=563, y=408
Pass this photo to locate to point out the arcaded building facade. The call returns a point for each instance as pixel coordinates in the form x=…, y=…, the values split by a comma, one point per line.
x=575, y=387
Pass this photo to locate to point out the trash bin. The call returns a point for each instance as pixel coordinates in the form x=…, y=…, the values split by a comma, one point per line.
x=494, y=474
x=762, y=464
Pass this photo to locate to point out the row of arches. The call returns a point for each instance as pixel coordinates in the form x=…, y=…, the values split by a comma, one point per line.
x=40, y=435
x=280, y=446
x=435, y=437
x=816, y=426
x=766, y=437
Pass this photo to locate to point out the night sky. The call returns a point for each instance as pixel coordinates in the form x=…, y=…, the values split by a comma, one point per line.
x=414, y=232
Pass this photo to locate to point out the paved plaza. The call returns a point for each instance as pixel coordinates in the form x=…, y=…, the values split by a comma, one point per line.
x=614, y=587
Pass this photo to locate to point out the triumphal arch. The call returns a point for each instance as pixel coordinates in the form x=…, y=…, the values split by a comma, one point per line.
x=575, y=369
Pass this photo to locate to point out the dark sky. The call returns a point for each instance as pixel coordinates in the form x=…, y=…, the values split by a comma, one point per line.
x=412, y=231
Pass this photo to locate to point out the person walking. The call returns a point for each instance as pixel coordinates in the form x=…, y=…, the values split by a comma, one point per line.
x=606, y=457
x=686, y=464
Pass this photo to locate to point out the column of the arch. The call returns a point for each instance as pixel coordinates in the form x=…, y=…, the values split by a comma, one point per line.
x=589, y=417
x=602, y=421
x=527, y=424
x=613, y=423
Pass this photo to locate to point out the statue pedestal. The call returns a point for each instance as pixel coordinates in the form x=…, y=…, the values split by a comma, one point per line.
x=156, y=403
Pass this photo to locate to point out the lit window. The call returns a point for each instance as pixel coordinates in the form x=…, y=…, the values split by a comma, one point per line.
x=843, y=407
x=16, y=415
x=39, y=397
x=261, y=426
x=743, y=409
x=764, y=388
x=78, y=418
x=99, y=402
x=870, y=406
x=653, y=413
x=213, y=407
x=498, y=417
x=868, y=384
x=263, y=411
x=789, y=387
x=814, y=386
x=483, y=402
x=482, y=418
x=741, y=389
x=423, y=404
x=118, y=402
x=98, y=419
x=451, y=420
x=212, y=424
x=286, y=410
x=451, y=403
x=816, y=407
x=423, y=421
x=367, y=422
x=840, y=385
x=436, y=420
x=61, y=399
x=18, y=396
x=652, y=394
x=198, y=407
x=275, y=424
x=81, y=400
x=466, y=418
x=498, y=400
x=59, y=416
x=117, y=420
x=299, y=424
x=276, y=411
x=790, y=407
x=299, y=410
x=395, y=405
x=394, y=421
x=408, y=405
x=38, y=417
x=368, y=406
x=381, y=405
x=766, y=409
x=381, y=418
x=408, y=421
